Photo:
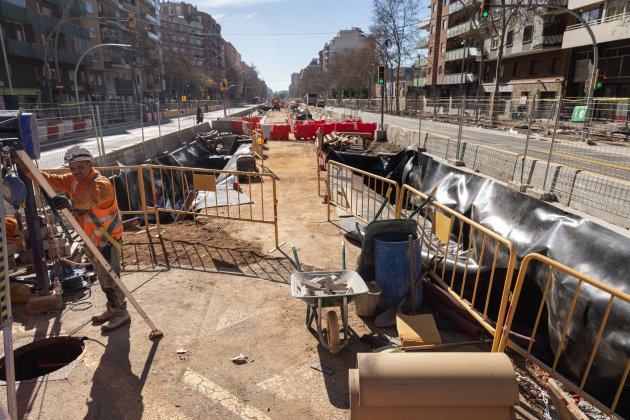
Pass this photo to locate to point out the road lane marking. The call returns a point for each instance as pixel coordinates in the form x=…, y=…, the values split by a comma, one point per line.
x=222, y=396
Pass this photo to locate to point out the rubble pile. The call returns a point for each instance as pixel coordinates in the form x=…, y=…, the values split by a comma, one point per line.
x=324, y=286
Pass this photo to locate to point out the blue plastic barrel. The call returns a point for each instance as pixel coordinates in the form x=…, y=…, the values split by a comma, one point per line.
x=391, y=267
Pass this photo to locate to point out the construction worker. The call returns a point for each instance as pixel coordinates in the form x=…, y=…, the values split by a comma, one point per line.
x=92, y=199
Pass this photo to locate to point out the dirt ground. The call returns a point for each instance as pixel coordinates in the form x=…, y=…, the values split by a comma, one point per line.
x=223, y=293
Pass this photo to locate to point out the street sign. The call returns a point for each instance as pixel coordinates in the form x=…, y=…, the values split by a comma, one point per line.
x=183, y=98
x=579, y=114
x=59, y=87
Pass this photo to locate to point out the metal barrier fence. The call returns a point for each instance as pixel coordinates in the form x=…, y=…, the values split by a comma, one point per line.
x=104, y=126
x=360, y=193
x=154, y=192
x=581, y=157
x=573, y=285
x=439, y=225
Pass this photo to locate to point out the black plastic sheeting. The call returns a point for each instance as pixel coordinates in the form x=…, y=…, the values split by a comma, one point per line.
x=198, y=154
x=534, y=226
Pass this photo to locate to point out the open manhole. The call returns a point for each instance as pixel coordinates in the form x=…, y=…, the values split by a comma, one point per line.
x=43, y=357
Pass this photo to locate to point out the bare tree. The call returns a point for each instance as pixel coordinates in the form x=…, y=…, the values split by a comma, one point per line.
x=395, y=21
x=501, y=21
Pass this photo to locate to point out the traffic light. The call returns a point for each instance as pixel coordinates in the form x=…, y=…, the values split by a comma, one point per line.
x=485, y=8
x=131, y=19
x=381, y=75
x=599, y=79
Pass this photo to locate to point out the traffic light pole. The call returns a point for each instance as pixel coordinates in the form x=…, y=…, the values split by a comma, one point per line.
x=382, y=104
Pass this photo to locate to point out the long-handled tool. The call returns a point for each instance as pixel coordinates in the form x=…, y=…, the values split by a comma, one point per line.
x=423, y=204
x=96, y=254
x=360, y=228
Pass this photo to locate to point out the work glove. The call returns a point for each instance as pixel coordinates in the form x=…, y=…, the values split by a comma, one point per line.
x=59, y=202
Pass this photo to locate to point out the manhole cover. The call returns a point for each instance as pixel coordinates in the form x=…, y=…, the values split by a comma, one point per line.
x=43, y=357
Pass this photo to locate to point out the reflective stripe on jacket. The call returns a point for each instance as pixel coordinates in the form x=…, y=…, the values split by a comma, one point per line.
x=100, y=216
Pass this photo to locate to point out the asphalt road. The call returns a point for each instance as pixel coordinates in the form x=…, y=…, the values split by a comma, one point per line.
x=120, y=135
x=605, y=158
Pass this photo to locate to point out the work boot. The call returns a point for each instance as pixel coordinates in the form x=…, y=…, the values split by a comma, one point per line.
x=102, y=318
x=116, y=321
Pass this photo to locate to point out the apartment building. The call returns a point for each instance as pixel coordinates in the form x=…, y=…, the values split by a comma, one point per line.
x=609, y=22
x=29, y=32
x=546, y=52
x=346, y=39
x=191, y=39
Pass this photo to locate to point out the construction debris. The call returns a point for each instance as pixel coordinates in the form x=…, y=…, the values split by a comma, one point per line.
x=324, y=286
x=241, y=359
x=343, y=142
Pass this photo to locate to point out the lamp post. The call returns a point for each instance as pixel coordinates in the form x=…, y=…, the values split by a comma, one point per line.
x=76, y=68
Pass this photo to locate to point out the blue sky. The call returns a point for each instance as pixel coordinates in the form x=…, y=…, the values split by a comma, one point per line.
x=249, y=25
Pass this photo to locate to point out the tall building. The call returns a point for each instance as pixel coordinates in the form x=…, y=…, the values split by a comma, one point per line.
x=609, y=22
x=346, y=39
x=192, y=48
x=36, y=70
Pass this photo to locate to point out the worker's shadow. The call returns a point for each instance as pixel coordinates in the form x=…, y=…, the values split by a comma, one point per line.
x=116, y=390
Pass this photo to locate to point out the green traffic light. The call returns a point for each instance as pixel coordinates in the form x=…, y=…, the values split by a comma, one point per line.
x=599, y=85
x=485, y=13
x=380, y=81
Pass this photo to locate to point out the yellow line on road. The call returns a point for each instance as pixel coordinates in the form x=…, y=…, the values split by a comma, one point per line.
x=594, y=161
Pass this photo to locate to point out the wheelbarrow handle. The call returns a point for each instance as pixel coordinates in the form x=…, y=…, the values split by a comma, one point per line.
x=424, y=203
x=295, y=256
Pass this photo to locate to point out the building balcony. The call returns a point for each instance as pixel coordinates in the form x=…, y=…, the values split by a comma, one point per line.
x=458, y=5
x=460, y=53
x=72, y=58
x=24, y=49
x=153, y=36
x=77, y=8
x=43, y=23
x=420, y=81
x=424, y=23
x=14, y=13
x=460, y=29
x=423, y=43
x=612, y=28
x=152, y=19
x=456, y=78
x=578, y=4
x=422, y=62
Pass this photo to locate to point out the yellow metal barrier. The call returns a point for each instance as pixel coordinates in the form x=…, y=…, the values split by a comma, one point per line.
x=482, y=244
x=358, y=192
x=553, y=267
x=170, y=187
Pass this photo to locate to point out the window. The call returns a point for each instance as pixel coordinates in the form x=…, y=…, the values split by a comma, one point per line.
x=432, y=28
x=442, y=47
x=70, y=75
x=89, y=7
x=444, y=24
x=494, y=43
x=555, y=65
x=593, y=14
x=95, y=56
x=19, y=32
x=515, y=69
x=445, y=2
x=441, y=70
x=509, y=38
x=434, y=7
x=430, y=50
x=99, y=80
x=429, y=72
x=486, y=72
x=533, y=66
x=92, y=32
x=527, y=34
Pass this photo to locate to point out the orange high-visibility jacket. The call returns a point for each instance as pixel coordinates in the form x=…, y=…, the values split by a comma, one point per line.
x=95, y=205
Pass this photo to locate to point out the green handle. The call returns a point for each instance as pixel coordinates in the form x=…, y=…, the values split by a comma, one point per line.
x=297, y=260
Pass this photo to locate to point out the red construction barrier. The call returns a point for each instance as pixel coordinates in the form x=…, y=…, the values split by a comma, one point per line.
x=345, y=127
x=305, y=131
x=280, y=132
x=237, y=127
x=53, y=132
x=78, y=126
x=366, y=127
x=154, y=116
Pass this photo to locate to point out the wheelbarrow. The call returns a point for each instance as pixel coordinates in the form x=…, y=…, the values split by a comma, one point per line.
x=315, y=304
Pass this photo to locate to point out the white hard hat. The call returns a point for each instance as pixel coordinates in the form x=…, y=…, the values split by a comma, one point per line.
x=76, y=154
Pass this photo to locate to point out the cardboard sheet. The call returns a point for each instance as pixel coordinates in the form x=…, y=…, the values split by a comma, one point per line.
x=417, y=330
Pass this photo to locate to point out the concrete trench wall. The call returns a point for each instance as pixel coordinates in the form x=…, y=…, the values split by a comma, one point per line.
x=571, y=187
x=135, y=153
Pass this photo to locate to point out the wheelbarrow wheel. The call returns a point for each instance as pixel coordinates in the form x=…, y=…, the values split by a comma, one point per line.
x=334, y=339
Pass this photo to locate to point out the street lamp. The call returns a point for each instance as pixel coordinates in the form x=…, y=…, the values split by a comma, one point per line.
x=76, y=68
